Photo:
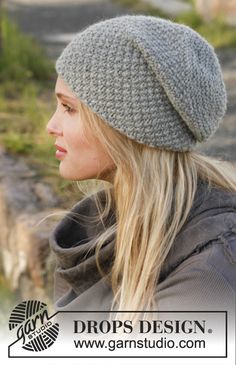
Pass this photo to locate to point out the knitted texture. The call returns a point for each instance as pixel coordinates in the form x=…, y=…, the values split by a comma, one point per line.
x=154, y=80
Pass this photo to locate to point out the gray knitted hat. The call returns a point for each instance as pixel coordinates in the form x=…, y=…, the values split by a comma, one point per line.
x=156, y=81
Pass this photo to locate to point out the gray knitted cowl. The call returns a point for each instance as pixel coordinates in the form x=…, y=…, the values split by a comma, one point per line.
x=154, y=80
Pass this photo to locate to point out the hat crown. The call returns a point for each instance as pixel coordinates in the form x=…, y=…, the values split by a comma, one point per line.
x=158, y=82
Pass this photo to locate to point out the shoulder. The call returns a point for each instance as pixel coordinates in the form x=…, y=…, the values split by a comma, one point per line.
x=204, y=280
x=222, y=257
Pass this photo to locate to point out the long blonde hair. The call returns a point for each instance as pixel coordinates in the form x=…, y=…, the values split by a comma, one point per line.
x=152, y=191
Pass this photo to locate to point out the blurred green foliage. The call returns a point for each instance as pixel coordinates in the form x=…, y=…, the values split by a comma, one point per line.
x=21, y=59
x=217, y=32
x=27, y=101
x=26, y=74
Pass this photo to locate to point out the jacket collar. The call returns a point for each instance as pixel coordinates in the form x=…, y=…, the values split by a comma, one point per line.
x=72, y=238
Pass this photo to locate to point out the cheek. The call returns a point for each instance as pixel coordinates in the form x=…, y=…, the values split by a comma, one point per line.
x=84, y=149
x=80, y=140
x=76, y=137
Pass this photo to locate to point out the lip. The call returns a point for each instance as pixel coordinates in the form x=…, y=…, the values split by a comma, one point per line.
x=59, y=148
x=60, y=152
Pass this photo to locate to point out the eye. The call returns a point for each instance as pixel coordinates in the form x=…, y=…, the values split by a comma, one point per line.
x=68, y=108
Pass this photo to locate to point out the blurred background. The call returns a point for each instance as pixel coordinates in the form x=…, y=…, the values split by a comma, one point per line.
x=32, y=35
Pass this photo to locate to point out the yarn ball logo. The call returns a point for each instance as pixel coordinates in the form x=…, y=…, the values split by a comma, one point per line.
x=34, y=328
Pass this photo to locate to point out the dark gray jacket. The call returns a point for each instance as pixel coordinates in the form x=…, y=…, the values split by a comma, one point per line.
x=198, y=274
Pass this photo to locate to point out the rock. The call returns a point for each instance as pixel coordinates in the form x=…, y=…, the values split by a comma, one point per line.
x=44, y=193
x=25, y=209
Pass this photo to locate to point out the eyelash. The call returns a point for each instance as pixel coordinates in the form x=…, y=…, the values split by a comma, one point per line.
x=68, y=108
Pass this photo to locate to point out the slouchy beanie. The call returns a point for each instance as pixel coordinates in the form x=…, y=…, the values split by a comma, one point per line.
x=156, y=81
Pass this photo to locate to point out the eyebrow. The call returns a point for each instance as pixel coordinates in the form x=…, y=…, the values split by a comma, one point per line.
x=60, y=95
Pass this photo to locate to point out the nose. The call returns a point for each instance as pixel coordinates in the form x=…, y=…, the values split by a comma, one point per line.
x=53, y=128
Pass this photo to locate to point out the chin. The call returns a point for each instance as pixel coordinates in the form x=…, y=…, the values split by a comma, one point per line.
x=66, y=173
x=69, y=174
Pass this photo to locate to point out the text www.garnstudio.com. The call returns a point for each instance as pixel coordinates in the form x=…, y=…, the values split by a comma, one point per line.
x=162, y=343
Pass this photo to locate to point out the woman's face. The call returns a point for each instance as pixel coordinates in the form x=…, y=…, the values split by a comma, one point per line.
x=84, y=157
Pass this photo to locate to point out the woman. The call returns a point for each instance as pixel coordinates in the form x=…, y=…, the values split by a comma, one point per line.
x=135, y=95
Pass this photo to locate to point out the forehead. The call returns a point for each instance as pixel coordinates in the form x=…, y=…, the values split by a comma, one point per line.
x=62, y=89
